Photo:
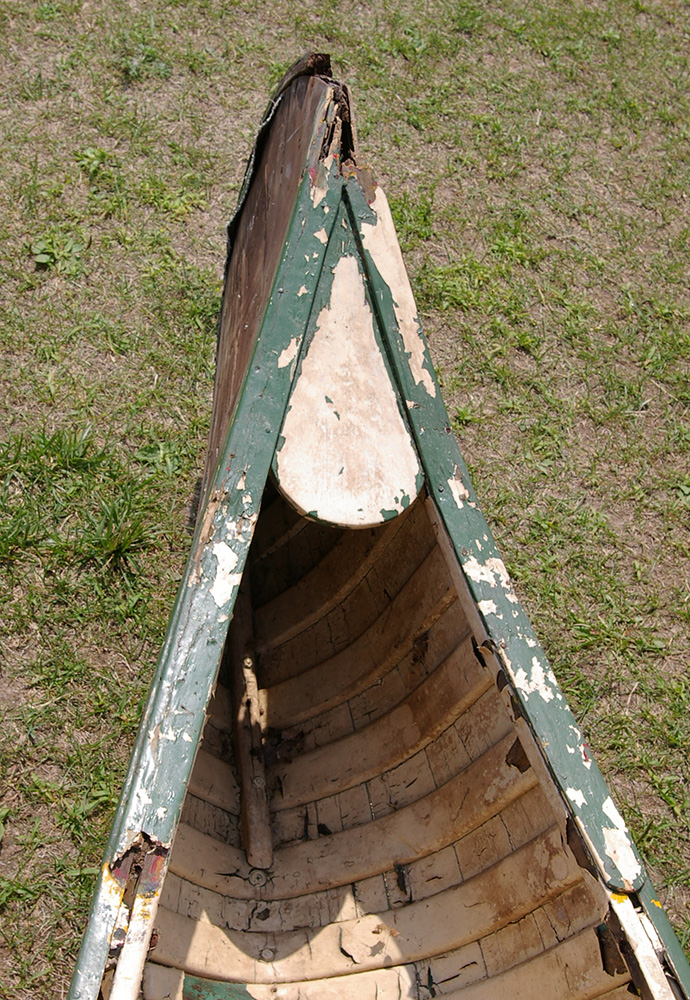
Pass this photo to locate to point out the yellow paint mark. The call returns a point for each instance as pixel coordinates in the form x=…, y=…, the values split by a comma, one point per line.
x=657, y=903
x=618, y=897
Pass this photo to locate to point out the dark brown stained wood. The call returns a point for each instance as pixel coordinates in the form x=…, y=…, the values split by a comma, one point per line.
x=431, y=708
x=420, y=602
x=257, y=244
x=346, y=621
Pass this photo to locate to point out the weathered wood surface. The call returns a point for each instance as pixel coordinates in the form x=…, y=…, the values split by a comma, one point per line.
x=347, y=455
x=370, y=813
x=420, y=838
x=257, y=240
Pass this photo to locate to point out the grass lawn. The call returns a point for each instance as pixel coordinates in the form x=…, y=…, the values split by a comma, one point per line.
x=537, y=159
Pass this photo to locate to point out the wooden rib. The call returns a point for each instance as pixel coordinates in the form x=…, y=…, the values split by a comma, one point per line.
x=277, y=525
x=359, y=609
x=474, y=909
x=424, y=654
x=297, y=554
x=426, y=876
x=162, y=983
x=211, y=819
x=214, y=781
x=459, y=806
x=311, y=911
x=572, y=970
x=220, y=709
x=330, y=582
x=419, y=604
x=408, y=779
x=458, y=682
x=517, y=941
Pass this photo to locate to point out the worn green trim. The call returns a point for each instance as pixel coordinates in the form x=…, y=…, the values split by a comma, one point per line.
x=195, y=988
x=536, y=688
x=170, y=730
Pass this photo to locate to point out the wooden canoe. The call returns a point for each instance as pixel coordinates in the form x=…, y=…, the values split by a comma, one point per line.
x=356, y=776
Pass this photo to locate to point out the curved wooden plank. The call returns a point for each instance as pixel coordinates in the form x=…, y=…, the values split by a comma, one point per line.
x=407, y=617
x=456, y=684
x=346, y=455
x=423, y=827
x=470, y=911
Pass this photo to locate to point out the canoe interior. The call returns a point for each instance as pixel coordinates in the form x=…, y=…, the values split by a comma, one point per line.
x=413, y=844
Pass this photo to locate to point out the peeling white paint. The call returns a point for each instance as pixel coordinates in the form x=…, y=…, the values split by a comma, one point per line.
x=618, y=844
x=322, y=236
x=320, y=188
x=247, y=499
x=303, y=291
x=577, y=796
x=242, y=482
x=187, y=738
x=161, y=813
x=343, y=426
x=458, y=488
x=586, y=759
x=222, y=618
x=477, y=572
x=225, y=580
x=531, y=642
x=289, y=353
x=540, y=681
x=488, y=608
x=382, y=243
x=493, y=572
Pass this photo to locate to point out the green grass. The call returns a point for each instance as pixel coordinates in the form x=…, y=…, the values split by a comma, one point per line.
x=537, y=161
